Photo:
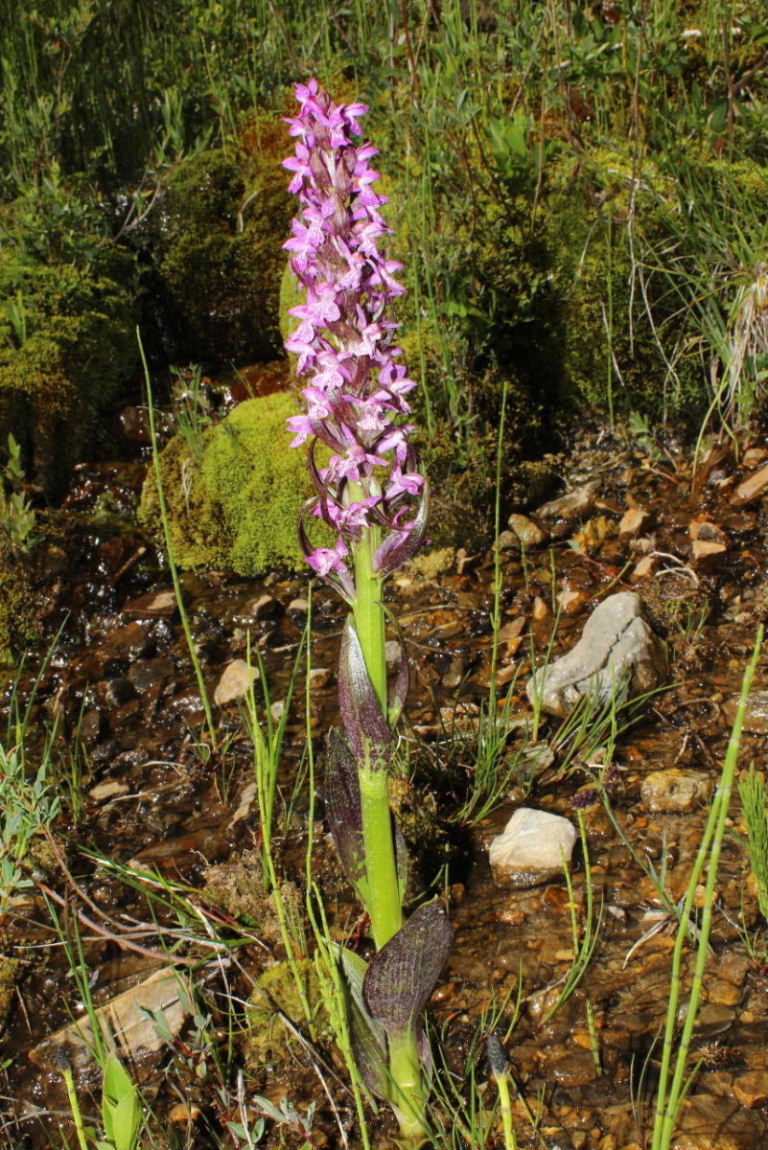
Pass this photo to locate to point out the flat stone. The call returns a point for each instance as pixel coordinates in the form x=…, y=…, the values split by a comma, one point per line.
x=751, y=1088
x=533, y=848
x=756, y=717
x=165, y=992
x=153, y=605
x=708, y=1122
x=574, y=505
x=751, y=488
x=675, y=790
x=235, y=682
x=618, y=656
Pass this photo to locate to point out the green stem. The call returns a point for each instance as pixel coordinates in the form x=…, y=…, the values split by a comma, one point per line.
x=384, y=895
x=369, y=613
x=408, y=1093
x=378, y=841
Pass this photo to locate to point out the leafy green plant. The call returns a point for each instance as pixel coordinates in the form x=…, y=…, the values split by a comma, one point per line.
x=754, y=802
x=28, y=806
x=121, y=1110
x=18, y=518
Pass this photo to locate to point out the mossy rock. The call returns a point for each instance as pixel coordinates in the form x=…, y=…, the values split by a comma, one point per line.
x=237, y=502
x=67, y=343
x=217, y=242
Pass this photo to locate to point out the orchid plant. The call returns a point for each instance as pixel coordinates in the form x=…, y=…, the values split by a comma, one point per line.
x=373, y=496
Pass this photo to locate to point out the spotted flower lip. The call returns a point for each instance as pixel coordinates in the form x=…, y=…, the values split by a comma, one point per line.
x=345, y=343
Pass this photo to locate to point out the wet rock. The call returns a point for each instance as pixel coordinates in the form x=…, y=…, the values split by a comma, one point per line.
x=751, y=488
x=708, y=542
x=618, y=655
x=756, y=717
x=115, y=693
x=532, y=849
x=165, y=993
x=569, y=508
x=633, y=522
x=154, y=605
x=526, y=532
x=675, y=790
x=151, y=673
x=235, y=682
x=751, y=1089
x=266, y=607
x=707, y=1122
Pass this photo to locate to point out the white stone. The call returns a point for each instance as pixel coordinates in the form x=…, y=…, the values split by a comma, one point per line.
x=534, y=846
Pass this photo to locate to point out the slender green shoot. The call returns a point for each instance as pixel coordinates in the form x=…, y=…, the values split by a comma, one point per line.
x=754, y=802
x=165, y=519
x=585, y=935
x=671, y=1093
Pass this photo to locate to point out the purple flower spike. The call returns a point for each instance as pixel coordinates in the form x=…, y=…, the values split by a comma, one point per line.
x=345, y=342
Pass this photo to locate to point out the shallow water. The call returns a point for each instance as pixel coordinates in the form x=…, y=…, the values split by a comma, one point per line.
x=155, y=797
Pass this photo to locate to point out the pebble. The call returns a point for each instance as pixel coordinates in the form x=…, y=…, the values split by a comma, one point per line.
x=235, y=682
x=633, y=522
x=756, y=716
x=527, y=533
x=675, y=790
x=532, y=848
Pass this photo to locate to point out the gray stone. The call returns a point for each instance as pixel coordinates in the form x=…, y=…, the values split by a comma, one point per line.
x=533, y=848
x=618, y=656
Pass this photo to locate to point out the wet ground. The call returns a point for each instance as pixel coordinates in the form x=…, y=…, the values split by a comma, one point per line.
x=156, y=865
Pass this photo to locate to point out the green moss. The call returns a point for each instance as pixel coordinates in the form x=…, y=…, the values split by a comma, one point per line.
x=18, y=605
x=276, y=995
x=239, y=507
x=218, y=240
x=10, y=969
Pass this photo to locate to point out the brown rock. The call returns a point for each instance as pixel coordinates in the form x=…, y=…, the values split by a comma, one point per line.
x=675, y=790
x=527, y=533
x=633, y=521
x=751, y=488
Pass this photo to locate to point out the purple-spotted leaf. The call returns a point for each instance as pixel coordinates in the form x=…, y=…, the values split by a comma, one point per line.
x=342, y=806
x=369, y=1040
x=403, y=974
x=367, y=728
x=345, y=820
x=400, y=546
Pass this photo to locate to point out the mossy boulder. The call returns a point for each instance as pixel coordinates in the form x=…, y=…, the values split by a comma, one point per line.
x=236, y=502
x=217, y=243
x=67, y=342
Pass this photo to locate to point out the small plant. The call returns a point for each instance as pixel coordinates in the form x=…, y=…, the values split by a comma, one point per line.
x=18, y=518
x=192, y=407
x=754, y=801
x=28, y=806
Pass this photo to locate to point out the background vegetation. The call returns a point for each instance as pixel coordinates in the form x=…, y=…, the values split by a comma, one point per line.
x=579, y=190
